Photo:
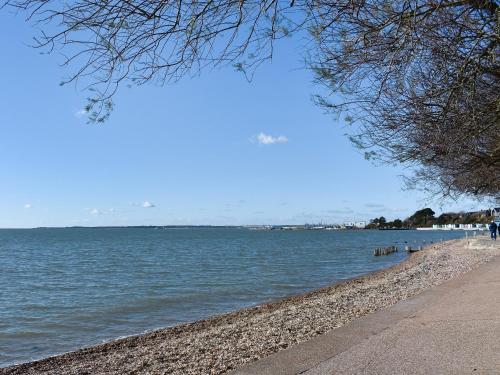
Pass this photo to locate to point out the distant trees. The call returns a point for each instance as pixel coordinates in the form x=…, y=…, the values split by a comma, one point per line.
x=425, y=218
x=381, y=223
x=397, y=224
x=481, y=217
x=418, y=80
x=421, y=218
x=445, y=218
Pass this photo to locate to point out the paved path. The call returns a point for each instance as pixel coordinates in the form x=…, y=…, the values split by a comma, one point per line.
x=453, y=328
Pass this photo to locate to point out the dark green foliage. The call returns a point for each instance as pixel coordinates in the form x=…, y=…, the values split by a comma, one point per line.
x=421, y=218
x=397, y=223
x=425, y=218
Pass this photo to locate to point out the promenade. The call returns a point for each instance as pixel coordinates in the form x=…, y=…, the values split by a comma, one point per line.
x=453, y=328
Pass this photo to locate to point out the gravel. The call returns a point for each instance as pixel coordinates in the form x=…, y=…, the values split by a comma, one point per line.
x=224, y=342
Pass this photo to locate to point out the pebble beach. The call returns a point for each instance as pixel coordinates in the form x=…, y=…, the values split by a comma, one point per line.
x=222, y=343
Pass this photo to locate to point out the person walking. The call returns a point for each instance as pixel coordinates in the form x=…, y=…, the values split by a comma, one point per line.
x=493, y=230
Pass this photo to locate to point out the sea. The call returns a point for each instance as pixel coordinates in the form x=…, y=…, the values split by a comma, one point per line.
x=66, y=288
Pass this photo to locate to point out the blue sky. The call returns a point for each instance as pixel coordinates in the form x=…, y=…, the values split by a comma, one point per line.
x=213, y=149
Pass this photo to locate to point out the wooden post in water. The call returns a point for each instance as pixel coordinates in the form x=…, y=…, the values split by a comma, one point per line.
x=385, y=251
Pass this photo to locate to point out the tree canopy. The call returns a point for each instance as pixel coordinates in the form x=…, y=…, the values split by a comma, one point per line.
x=425, y=218
x=417, y=80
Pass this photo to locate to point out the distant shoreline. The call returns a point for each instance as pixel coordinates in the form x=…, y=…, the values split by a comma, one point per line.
x=246, y=227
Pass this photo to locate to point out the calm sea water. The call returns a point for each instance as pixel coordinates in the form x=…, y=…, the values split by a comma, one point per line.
x=61, y=289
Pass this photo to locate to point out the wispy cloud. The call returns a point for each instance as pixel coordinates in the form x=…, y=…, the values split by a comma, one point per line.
x=95, y=211
x=374, y=205
x=81, y=113
x=398, y=209
x=265, y=139
x=28, y=206
x=339, y=211
x=99, y=211
x=147, y=204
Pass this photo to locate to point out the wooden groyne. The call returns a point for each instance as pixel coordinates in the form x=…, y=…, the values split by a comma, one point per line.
x=392, y=249
x=385, y=250
x=409, y=249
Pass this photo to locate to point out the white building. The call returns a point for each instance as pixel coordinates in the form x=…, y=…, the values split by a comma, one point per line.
x=355, y=224
x=459, y=226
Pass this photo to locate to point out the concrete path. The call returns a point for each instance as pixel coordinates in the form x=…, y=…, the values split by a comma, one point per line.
x=453, y=328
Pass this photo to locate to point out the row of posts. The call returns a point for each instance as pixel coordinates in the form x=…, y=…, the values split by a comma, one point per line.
x=385, y=250
x=392, y=249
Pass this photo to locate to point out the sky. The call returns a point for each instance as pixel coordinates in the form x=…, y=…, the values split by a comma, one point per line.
x=213, y=149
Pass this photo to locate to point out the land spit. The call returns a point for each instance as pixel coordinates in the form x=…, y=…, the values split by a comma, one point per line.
x=222, y=343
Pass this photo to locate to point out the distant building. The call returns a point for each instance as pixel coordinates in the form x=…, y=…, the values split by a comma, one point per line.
x=355, y=224
x=459, y=227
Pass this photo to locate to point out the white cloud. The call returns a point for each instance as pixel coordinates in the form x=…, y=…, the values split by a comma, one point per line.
x=95, y=211
x=147, y=204
x=28, y=205
x=81, y=113
x=339, y=211
x=374, y=205
x=265, y=139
